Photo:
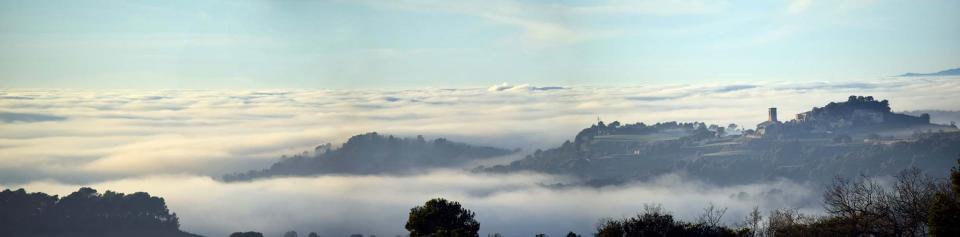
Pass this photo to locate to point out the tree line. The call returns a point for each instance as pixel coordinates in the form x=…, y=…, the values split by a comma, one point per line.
x=86, y=212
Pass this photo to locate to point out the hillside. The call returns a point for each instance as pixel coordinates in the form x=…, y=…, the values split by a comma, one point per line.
x=858, y=116
x=938, y=116
x=860, y=136
x=373, y=153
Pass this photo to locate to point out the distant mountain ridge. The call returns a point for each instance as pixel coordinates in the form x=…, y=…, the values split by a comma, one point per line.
x=948, y=72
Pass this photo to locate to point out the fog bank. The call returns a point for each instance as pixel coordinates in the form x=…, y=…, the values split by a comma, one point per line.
x=513, y=205
x=81, y=136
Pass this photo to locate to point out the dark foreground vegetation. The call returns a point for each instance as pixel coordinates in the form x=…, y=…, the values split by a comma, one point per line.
x=86, y=213
x=914, y=205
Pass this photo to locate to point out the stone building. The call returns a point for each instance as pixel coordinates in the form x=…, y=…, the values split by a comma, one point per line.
x=771, y=124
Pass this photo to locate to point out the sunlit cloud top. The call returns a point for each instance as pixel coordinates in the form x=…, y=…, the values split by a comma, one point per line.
x=425, y=43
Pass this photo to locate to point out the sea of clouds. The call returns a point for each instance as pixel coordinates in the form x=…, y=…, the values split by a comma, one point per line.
x=168, y=143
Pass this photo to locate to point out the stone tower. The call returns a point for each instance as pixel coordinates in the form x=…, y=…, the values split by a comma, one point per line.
x=772, y=115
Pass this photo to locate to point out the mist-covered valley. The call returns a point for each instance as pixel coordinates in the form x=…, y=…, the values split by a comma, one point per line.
x=95, y=135
x=513, y=205
x=183, y=144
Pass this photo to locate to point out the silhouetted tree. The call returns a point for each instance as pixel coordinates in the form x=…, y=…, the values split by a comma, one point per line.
x=313, y=234
x=439, y=217
x=865, y=207
x=711, y=215
x=944, y=219
x=246, y=234
x=614, y=124
x=571, y=234
x=752, y=222
x=86, y=213
x=654, y=221
x=290, y=234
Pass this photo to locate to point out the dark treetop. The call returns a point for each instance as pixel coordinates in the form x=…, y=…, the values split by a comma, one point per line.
x=86, y=213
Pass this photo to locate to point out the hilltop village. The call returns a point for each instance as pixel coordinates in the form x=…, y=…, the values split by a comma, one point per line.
x=858, y=135
x=857, y=116
x=858, y=120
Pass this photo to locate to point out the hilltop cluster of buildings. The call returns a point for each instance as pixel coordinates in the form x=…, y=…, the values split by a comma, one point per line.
x=857, y=115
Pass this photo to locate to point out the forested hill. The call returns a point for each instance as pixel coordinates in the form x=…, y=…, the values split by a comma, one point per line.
x=739, y=160
x=373, y=153
x=86, y=213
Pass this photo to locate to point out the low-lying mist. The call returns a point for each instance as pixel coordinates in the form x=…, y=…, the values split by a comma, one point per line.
x=83, y=136
x=510, y=204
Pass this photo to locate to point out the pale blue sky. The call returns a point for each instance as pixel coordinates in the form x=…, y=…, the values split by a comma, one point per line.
x=414, y=44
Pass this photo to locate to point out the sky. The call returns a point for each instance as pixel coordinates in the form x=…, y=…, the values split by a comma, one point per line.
x=366, y=44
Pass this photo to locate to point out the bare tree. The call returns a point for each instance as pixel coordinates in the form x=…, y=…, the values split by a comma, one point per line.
x=863, y=203
x=783, y=221
x=912, y=195
x=868, y=208
x=754, y=222
x=649, y=208
x=711, y=215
